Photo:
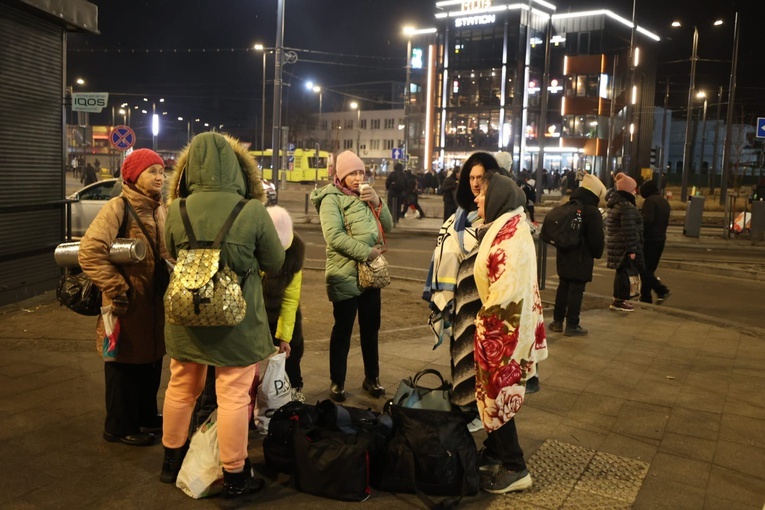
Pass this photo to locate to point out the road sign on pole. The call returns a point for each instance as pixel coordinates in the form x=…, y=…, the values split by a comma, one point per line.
x=122, y=138
x=396, y=154
x=760, y=127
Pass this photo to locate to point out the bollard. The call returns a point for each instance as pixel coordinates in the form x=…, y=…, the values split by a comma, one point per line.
x=541, y=262
x=306, y=204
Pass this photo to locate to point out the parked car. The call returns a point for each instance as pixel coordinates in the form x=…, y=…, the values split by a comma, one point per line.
x=91, y=198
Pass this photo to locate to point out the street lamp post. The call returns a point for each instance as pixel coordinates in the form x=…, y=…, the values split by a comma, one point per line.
x=729, y=116
x=317, y=90
x=407, y=92
x=703, y=135
x=687, y=156
x=355, y=106
x=262, y=49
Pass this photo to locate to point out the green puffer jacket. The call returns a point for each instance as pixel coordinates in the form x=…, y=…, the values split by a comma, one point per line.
x=214, y=174
x=345, y=248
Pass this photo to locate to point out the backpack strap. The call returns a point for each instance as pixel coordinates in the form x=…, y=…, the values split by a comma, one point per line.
x=123, y=226
x=229, y=221
x=187, y=226
x=153, y=245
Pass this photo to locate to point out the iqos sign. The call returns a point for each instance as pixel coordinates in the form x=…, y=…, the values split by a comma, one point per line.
x=89, y=101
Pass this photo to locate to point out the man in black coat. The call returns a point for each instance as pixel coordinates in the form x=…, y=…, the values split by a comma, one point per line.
x=655, y=213
x=574, y=265
x=395, y=185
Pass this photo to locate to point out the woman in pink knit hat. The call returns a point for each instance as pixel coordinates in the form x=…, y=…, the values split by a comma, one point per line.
x=353, y=221
x=625, y=238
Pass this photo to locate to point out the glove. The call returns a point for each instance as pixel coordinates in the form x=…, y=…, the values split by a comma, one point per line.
x=370, y=196
x=120, y=305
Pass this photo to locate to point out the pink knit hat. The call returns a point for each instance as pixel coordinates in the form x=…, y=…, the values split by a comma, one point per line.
x=347, y=163
x=625, y=183
x=138, y=161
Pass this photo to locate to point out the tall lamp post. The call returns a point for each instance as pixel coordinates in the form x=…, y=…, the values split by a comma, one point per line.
x=355, y=106
x=702, y=95
x=262, y=49
x=729, y=116
x=317, y=90
x=687, y=156
x=687, y=153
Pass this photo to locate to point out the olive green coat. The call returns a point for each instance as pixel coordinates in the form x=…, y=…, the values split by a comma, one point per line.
x=214, y=174
x=350, y=231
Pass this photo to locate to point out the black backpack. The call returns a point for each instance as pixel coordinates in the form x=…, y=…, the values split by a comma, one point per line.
x=562, y=226
x=278, y=447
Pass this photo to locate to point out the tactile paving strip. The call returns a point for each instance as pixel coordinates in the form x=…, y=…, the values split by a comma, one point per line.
x=567, y=476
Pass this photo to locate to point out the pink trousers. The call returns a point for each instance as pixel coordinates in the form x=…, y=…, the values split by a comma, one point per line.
x=232, y=386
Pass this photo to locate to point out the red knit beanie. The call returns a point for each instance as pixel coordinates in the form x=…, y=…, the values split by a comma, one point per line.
x=138, y=161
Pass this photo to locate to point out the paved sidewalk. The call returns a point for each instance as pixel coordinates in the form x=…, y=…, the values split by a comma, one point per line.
x=654, y=409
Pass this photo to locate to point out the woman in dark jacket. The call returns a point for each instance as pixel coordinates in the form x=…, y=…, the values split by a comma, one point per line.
x=625, y=238
x=574, y=265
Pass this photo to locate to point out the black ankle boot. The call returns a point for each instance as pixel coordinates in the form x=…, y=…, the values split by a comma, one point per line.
x=171, y=465
x=240, y=488
x=372, y=386
x=337, y=392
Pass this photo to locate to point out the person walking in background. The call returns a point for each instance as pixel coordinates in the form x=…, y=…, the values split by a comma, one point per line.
x=574, y=265
x=281, y=293
x=89, y=175
x=215, y=173
x=134, y=294
x=527, y=186
x=510, y=335
x=449, y=193
x=625, y=238
x=450, y=286
x=353, y=222
x=655, y=213
x=395, y=187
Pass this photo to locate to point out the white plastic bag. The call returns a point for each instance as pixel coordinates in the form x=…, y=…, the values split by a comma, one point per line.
x=274, y=391
x=201, y=473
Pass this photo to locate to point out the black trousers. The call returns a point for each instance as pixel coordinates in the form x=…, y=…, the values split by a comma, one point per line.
x=368, y=307
x=131, y=396
x=652, y=251
x=568, y=301
x=297, y=347
x=502, y=444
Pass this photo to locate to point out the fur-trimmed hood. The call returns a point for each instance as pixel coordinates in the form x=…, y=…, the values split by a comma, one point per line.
x=216, y=162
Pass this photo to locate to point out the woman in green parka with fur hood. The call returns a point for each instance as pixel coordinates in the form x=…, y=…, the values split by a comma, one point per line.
x=214, y=173
x=351, y=220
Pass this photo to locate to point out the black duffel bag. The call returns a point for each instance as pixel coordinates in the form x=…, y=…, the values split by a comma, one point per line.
x=341, y=456
x=431, y=453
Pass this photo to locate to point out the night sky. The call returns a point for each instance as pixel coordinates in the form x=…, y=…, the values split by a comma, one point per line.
x=196, y=54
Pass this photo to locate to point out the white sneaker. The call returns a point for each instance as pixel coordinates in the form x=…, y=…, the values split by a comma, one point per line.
x=475, y=425
x=297, y=394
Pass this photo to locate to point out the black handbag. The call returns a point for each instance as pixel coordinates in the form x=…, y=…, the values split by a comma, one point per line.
x=77, y=291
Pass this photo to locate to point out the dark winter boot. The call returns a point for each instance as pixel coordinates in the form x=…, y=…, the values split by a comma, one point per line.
x=240, y=488
x=171, y=465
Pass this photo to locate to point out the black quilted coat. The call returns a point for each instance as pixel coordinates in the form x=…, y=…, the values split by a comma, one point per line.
x=624, y=229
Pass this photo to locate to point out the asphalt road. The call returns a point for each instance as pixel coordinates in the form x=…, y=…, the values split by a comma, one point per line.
x=733, y=299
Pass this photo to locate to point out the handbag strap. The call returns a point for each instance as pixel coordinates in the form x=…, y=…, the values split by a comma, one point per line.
x=129, y=208
x=223, y=230
x=444, y=384
x=380, y=228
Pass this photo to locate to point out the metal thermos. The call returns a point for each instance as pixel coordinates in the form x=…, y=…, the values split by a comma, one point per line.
x=121, y=252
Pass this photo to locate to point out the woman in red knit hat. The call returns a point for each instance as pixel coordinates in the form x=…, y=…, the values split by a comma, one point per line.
x=134, y=292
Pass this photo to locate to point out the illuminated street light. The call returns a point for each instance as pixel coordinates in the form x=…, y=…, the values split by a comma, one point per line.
x=355, y=106
x=262, y=49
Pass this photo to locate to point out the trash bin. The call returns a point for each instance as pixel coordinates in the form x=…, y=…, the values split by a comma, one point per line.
x=693, y=213
x=757, y=227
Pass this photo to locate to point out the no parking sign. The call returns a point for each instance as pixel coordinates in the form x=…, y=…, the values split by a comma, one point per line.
x=122, y=138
